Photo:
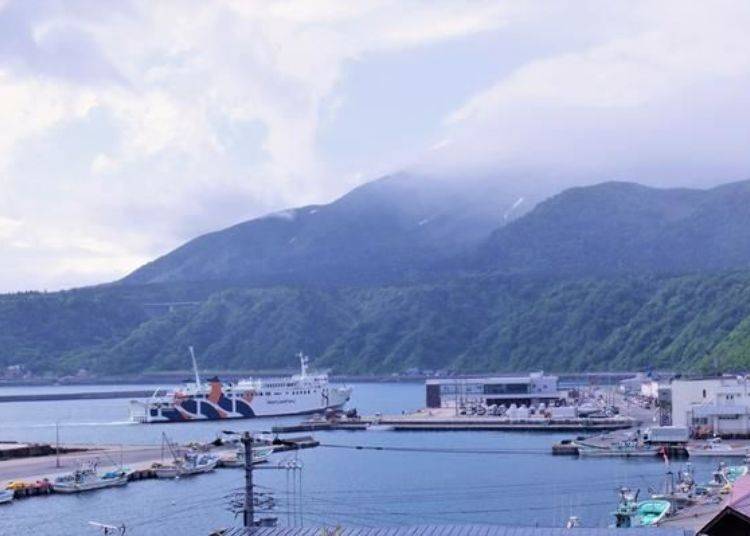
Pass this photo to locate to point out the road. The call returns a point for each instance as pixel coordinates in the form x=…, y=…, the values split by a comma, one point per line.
x=35, y=468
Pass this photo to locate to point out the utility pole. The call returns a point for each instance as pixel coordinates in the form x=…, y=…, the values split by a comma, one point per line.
x=248, y=513
x=57, y=443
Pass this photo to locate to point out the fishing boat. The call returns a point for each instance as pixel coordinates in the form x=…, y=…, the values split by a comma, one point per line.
x=193, y=463
x=86, y=478
x=632, y=513
x=652, y=512
x=268, y=397
x=718, y=484
x=680, y=494
x=7, y=496
x=715, y=447
x=735, y=472
x=627, y=448
x=237, y=458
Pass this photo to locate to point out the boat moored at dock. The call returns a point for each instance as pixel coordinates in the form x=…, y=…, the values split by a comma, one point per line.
x=193, y=463
x=627, y=449
x=632, y=513
x=86, y=478
x=237, y=458
x=248, y=398
x=716, y=448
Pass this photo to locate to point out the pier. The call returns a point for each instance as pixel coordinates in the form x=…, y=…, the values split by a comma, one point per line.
x=445, y=420
x=37, y=471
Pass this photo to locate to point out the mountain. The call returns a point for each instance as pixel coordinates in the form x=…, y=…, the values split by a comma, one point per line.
x=621, y=228
x=615, y=276
x=382, y=231
x=471, y=324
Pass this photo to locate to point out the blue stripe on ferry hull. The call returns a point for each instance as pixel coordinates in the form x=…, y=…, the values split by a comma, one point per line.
x=224, y=403
x=189, y=405
x=244, y=409
x=208, y=411
x=172, y=415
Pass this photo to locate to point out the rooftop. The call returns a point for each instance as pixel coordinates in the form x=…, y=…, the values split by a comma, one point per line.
x=451, y=530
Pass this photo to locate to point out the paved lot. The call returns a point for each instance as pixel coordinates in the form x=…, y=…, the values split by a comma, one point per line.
x=108, y=456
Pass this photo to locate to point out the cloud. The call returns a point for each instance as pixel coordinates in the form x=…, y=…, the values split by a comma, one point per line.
x=128, y=128
x=666, y=102
x=143, y=124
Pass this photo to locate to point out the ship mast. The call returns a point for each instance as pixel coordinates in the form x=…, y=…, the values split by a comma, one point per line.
x=195, y=368
x=303, y=359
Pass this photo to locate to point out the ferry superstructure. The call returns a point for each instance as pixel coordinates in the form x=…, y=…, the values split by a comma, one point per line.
x=248, y=398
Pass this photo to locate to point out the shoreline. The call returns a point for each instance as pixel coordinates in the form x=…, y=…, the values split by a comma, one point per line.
x=176, y=377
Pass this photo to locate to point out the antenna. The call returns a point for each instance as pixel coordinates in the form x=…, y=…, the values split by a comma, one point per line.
x=303, y=364
x=195, y=368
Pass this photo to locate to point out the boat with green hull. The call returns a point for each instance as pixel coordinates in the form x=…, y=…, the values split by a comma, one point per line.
x=633, y=513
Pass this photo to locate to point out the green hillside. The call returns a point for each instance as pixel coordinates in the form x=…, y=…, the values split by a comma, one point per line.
x=490, y=323
x=626, y=228
x=397, y=275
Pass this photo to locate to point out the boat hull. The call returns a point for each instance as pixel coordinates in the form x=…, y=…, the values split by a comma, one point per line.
x=607, y=453
x=89, y=486
x=717, y=453
x=238, y=407
x=173, y=471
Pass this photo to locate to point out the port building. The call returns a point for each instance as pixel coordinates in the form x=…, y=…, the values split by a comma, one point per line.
x=530, y=390
x=710, y=406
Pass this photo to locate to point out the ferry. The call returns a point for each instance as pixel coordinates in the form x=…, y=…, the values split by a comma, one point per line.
x=248, y=398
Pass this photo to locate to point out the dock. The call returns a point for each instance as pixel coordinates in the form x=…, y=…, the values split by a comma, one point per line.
x=445, y=420
x=410, y=423
x=38, y=471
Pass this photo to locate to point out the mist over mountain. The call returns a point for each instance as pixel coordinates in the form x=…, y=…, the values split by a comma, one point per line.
x=384, y=231
x=409, y=271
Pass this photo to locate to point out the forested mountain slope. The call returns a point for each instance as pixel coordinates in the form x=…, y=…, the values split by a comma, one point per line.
x=391, y=229
x=618, y=228
x=393, y=276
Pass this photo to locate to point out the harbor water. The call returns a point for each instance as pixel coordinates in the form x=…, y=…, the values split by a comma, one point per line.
x=506, y=478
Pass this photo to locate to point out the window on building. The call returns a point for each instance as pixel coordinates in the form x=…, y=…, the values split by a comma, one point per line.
x=506, y=389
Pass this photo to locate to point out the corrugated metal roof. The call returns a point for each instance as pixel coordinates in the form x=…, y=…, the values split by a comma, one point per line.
x=453, y=530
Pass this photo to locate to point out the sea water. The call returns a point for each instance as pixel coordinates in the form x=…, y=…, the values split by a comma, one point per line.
x=419, y=477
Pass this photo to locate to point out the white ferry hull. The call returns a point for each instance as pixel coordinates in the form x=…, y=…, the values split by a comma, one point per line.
x=239, y=406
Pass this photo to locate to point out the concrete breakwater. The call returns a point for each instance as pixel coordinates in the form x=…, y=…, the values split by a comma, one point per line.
x=100, y=395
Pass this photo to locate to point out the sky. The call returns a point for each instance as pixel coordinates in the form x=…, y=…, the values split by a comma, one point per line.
x=129, y=127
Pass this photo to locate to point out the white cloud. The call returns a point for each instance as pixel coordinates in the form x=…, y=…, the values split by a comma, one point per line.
x=662, y=103
x=141, y=124
x=160, y=86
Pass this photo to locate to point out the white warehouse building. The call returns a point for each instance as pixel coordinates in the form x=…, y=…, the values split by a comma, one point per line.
x=531, y=390
x=712, y=406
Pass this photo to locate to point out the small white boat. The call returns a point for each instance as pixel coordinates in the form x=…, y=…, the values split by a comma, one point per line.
x=6, y=496
x=192, y=464
x=625, y=449
x=87, y=479
x=715, y=447
x=237, y=459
